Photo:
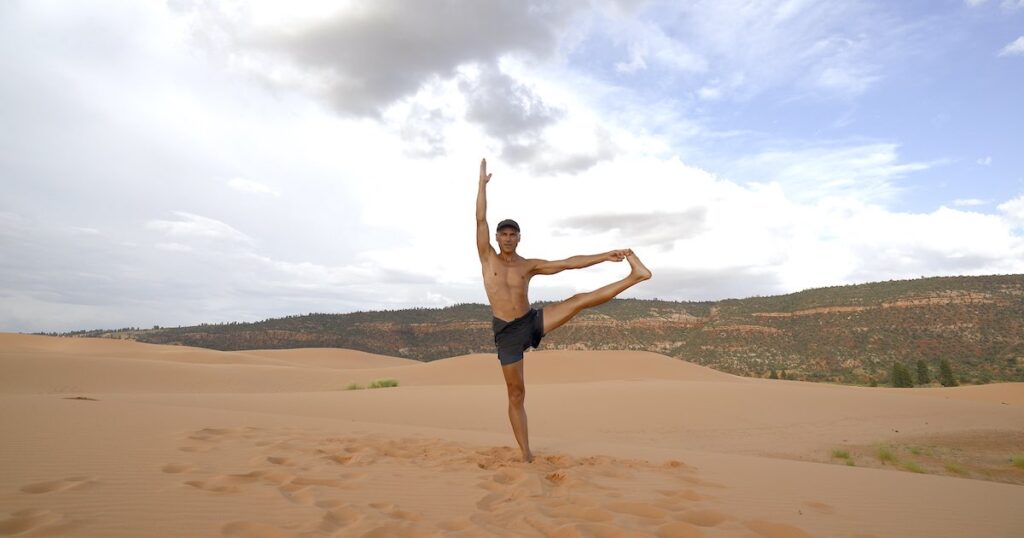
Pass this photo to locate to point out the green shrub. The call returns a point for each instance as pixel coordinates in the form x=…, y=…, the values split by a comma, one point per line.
x=946, y=374
x=923, y=377
x=956, y=468
x=913, y=467
x=886, y=455
x=841, y=454
x=383, y=383
x=901, y=376
x=1018, y=461
x=354, y=386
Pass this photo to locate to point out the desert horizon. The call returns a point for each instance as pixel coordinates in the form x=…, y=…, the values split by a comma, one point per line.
x=121, y=438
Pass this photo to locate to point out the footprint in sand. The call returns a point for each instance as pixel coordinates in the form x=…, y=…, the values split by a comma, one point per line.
x=177, y=468
x=213, y=486
x=577, y=511
x=27, y=520
x=252, y=529
x=297, y=494
x=637, y=509
x=280, y=460
x=679, y=529
x=74, y=482
x=339, y=518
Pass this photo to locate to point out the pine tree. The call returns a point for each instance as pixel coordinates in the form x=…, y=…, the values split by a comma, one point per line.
x=773, y=375
x=923, y=378
x=901, y=376
x=946, y=374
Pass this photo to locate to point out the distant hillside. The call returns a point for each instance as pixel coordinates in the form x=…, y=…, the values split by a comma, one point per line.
x=849, y=334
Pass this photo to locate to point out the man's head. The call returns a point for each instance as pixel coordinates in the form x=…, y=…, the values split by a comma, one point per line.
x=507, y=236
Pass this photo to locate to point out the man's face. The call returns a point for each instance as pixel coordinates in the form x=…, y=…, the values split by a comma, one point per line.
x=508, y=239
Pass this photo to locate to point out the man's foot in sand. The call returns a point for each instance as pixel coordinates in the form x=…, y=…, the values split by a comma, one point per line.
x=639, y=270
x=527, y=457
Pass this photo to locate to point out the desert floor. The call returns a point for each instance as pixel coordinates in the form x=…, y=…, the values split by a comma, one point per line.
x=114, y=438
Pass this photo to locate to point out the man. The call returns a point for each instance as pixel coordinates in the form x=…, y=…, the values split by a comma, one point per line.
x=517, y=326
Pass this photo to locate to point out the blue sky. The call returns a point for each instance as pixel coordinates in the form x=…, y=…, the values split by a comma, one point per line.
x=202, y=161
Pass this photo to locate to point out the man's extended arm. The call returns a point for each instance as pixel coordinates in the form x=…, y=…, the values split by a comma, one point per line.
x=544, y=267
x=483, y=243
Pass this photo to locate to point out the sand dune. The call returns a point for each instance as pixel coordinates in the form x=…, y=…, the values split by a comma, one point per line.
x=175, y=441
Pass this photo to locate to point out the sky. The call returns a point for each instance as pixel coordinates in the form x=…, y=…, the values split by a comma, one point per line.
x=190, y=161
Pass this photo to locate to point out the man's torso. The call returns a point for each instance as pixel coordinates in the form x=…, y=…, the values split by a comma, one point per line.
x=507, y=285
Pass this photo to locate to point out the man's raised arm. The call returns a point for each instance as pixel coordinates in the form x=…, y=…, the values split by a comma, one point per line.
x=483, y=243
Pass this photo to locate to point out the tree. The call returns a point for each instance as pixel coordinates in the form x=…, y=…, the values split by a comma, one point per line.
x=923, y=378
x=773, y=375
x=901, y=376
x=946, y=374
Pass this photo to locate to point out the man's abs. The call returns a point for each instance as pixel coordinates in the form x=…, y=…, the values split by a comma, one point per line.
x=506, y=288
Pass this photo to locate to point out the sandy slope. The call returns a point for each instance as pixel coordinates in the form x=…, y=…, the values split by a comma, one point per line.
x=191, y=442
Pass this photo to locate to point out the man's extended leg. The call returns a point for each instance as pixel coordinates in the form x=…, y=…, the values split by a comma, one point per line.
x=557, y=314
x=516, y=408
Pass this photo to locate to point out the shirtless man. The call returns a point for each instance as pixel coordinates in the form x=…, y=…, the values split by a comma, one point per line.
x=507, y=279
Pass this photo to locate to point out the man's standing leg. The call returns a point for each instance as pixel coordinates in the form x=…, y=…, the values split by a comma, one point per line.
x=516, y=408
x=557, y=315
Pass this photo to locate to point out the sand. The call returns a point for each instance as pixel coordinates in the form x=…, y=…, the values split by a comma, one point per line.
x=116, y=438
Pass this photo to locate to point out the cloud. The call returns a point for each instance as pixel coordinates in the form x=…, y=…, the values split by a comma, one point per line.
x=985, y=161
x=825, y=48
x=656, y=229
x=253, y=187
x=370, y=55
x=868, y=172
x=190, y=226
x=1016, y=48
x=1014, y=209
x=969, y=202
x=506, y=109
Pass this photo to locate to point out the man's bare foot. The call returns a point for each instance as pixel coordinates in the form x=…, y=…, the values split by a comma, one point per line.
x=527, y=457
x=639, y=270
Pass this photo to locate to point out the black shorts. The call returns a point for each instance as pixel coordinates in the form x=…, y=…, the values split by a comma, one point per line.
x=512, y=338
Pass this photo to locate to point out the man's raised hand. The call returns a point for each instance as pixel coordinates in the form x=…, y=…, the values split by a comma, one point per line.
x=484, y=176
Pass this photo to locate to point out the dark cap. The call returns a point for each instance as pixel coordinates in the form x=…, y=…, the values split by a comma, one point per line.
x=507, y=223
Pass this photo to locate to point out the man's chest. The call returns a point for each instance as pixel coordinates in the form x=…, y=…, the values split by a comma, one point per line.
x=500, y=274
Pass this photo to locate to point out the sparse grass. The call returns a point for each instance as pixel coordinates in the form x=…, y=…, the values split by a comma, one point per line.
x=1018, y=461
x=354, y=386
x=913, y=467
x=850, y=463
x=956, y=468
x=841, y=454
x=916, y=450
x=886, y=455
x=383, y=383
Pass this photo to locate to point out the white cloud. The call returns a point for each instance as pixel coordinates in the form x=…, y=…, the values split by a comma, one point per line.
x=868, y=172
x=253, y=187
x=1014, y=209
x=1016, y=48
x=974, y=3
x=985, y=161
x=193, y=226
x=969, y=202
